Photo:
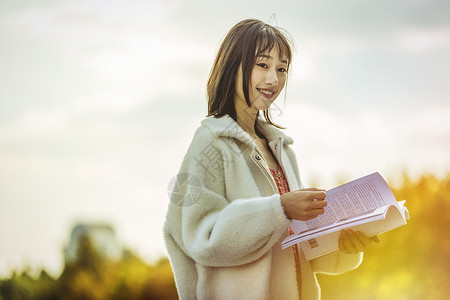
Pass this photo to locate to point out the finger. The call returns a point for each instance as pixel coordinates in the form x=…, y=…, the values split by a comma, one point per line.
x=311, y=190
x=362, y=238
x=342, y=246
x=375, y=238
x=355, y=244
x=319, y=204
x=318, y=195
x=348, y=243
x=309, y=217
x=362, y=241
x=314, y=194
x=368, y=240
x=317, y=211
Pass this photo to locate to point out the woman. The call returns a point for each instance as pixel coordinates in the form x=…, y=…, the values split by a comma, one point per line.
x=238, y=187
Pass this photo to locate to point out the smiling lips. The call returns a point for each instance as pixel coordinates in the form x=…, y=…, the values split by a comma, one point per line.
x=266, y=93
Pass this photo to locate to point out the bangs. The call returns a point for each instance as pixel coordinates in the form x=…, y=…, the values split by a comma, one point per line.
x=271, y=37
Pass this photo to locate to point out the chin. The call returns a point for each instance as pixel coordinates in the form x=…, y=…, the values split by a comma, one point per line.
x=265, y=106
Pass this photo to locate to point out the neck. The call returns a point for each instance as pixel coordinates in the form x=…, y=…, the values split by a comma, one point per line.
x=246, y=117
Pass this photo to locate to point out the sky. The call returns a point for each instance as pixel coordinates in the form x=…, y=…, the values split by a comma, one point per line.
x=99, y=101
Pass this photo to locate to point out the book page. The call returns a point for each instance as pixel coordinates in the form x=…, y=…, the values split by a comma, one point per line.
x=354, y=198
x=324, y=239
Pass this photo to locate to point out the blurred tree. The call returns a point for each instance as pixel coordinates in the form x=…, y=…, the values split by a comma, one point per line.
x=90, y=276
x=411, y=262
x=24, y=287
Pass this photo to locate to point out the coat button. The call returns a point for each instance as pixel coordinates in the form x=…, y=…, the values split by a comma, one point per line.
x=258, y=157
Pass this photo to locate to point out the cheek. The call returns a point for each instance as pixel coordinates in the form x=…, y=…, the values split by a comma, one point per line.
x=256, y=77
x=281, y=82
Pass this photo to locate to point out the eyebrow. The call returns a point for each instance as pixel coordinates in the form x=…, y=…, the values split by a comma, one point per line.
x=270, y=57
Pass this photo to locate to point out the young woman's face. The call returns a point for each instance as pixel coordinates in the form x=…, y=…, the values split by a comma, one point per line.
x=266, y=81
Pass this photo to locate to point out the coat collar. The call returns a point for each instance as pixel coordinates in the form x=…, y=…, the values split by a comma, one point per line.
x=226, y=127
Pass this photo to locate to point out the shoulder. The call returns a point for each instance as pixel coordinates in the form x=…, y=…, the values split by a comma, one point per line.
x=205, y=156
x=210, y=134
x=221, y=129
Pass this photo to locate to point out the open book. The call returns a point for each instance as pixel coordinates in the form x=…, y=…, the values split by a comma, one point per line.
x=365, y=204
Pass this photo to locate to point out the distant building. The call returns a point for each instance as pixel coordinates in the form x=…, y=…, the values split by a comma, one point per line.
x=102, y=237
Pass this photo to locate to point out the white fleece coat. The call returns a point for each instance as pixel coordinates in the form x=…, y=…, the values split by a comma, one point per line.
x=225, y=221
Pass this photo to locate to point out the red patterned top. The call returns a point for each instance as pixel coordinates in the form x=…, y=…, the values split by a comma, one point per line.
x=283, y=187
x=280, y=180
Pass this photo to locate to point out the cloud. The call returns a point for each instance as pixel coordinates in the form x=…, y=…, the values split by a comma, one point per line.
x=331, y=145
x=92, y=55
x=423, y=40
x=102, y=98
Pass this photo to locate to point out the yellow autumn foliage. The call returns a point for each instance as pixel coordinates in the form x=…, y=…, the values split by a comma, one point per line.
x=411, y=262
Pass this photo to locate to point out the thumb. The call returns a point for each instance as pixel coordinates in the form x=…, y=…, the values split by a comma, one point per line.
x=312, y=190
x=375, y=238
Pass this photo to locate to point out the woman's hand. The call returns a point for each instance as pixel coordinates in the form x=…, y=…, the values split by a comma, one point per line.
x=352, y=242
x=304, y=204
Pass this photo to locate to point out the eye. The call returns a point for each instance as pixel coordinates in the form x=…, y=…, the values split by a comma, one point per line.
x=282, y=70
x=262, y=65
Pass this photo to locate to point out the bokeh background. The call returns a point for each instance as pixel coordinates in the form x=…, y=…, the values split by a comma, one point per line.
x=100, y=99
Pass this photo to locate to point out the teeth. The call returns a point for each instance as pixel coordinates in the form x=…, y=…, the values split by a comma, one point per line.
x=266, y=92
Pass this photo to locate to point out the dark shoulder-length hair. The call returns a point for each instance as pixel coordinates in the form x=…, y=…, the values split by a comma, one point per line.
x=242, y=45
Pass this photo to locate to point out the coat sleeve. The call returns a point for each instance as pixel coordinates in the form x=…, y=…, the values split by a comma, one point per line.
x=209, y=228
x=336, y=263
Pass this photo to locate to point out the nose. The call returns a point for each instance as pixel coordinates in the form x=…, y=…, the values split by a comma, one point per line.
x=271, y=77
